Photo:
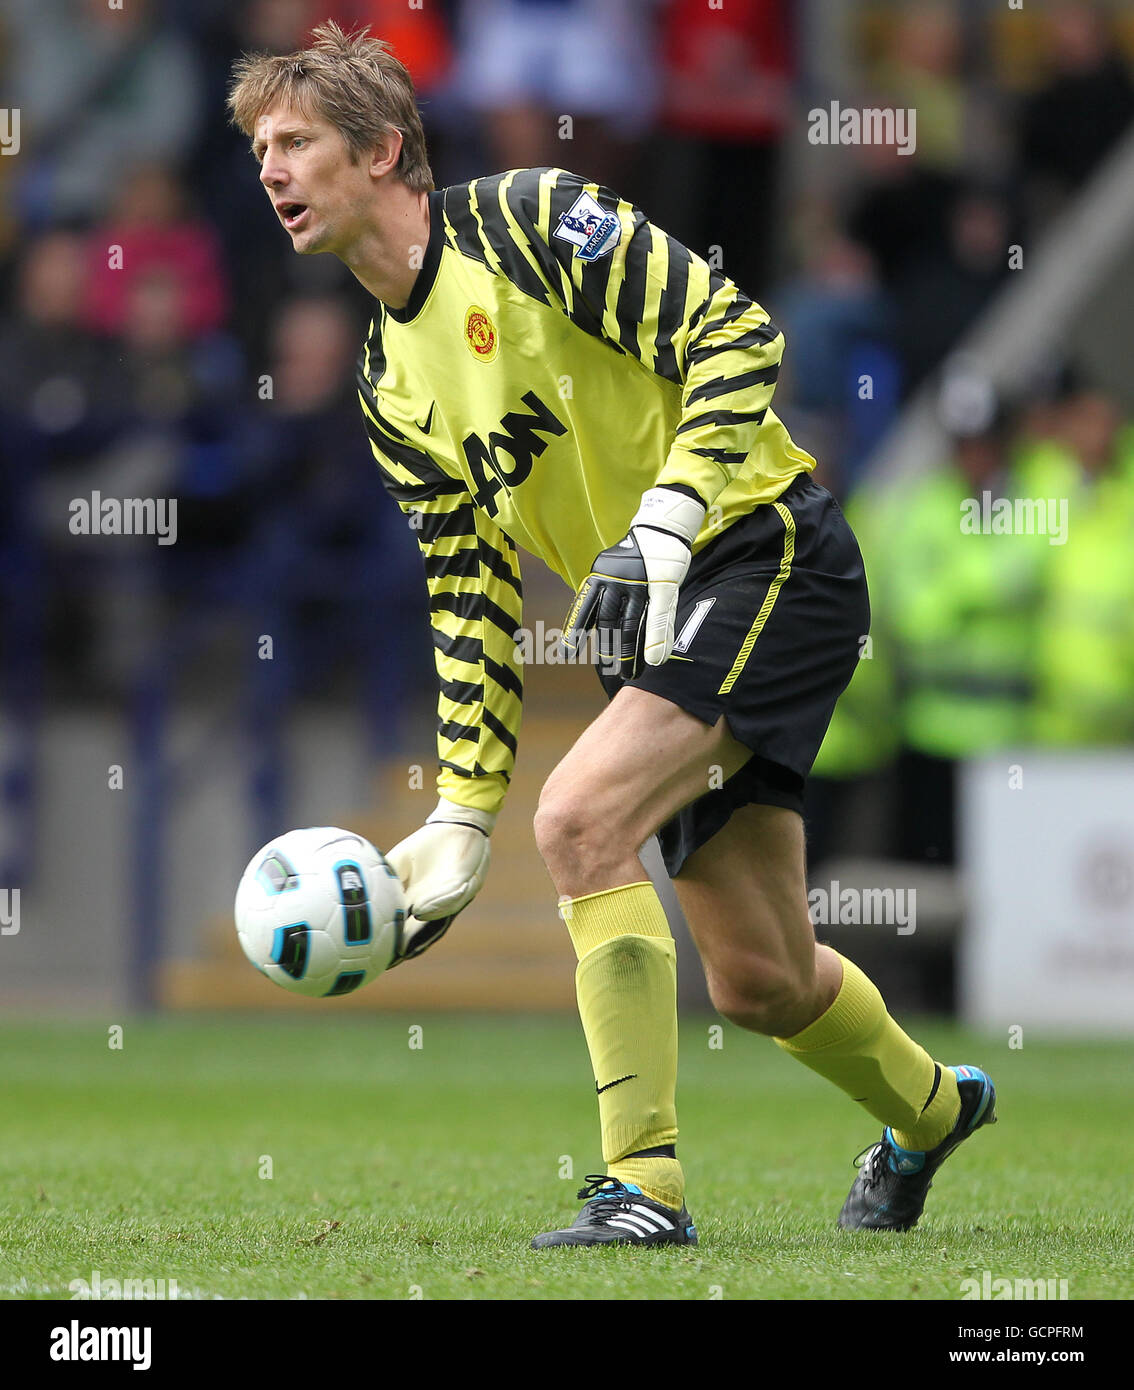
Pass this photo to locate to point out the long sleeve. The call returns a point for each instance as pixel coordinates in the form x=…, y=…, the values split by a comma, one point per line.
x=475, y=601
x=618, y=276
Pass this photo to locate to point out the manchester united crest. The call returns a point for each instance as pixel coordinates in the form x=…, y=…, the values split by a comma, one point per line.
x=480, y=334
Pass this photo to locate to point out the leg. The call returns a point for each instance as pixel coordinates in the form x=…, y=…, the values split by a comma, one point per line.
x=638, y=763
x=744, y=897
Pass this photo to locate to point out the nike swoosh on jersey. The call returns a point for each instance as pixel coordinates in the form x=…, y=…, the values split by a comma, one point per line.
x=428, y=420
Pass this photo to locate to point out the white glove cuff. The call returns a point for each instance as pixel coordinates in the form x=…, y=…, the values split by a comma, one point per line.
x=670, y=511
x=450, y=812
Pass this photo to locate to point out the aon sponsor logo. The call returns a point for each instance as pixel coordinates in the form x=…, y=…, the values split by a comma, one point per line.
x=505, y=459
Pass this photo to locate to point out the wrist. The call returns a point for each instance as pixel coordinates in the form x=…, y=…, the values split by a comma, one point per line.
x=451, y=813
x=666, y=509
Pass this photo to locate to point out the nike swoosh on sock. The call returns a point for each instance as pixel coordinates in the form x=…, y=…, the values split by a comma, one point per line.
x=599, y=1089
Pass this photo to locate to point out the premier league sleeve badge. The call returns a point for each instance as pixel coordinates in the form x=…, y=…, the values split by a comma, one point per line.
x=591, y=229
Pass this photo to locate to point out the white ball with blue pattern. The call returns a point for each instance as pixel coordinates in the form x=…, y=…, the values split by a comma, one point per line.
x=319, y=911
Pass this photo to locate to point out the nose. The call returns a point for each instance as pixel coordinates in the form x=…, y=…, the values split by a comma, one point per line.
x=271, y=174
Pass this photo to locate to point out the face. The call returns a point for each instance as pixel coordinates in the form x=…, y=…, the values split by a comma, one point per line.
x=1091, y=421
x=319, y=196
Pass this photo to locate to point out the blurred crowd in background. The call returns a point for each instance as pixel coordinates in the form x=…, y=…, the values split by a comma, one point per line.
x=215, y=366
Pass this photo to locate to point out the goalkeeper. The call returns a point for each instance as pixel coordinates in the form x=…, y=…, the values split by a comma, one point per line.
x=548, y=369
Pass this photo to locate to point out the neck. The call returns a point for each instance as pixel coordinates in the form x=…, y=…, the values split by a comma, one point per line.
x=387, y=257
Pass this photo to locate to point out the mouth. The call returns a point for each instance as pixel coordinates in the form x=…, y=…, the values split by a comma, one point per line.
x=292, y=214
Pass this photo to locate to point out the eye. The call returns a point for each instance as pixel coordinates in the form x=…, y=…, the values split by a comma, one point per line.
x=299, y=140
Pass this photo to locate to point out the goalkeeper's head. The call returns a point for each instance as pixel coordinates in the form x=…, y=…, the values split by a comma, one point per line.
x=332, y=125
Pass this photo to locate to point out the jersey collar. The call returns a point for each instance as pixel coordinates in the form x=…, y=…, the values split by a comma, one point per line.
x=428, y=272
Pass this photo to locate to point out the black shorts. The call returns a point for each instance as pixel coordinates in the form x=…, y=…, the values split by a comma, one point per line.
x=768, y=633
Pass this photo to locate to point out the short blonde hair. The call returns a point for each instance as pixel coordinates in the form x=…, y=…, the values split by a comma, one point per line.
x=351, y=80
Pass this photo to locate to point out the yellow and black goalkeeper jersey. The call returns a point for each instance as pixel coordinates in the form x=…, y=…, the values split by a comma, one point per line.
x=559, y=355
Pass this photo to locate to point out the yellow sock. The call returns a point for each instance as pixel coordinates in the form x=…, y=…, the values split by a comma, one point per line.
x=659, y=1178
x=858, y=1046
x=626, y=985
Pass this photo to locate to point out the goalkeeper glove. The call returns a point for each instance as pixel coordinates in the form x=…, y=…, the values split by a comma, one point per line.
x=630, y=595
x=442, y=867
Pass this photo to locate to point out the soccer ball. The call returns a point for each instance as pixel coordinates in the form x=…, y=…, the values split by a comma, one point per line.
x=319, y=911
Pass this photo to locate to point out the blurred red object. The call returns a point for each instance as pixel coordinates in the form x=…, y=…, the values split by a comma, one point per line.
x=727, y=71
x=158, y=240
x=419, y=38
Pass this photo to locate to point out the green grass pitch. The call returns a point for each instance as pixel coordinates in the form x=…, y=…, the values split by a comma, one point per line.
x=401, y=1172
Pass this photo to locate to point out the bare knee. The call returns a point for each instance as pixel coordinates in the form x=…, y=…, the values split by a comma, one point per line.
x=577, y=839
x=773, y=997
x=559, y=822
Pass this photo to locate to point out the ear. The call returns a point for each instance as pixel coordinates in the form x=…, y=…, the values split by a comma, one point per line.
x=386, y=153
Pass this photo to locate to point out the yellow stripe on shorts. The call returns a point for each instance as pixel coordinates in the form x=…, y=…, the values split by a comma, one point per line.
x=769, y=600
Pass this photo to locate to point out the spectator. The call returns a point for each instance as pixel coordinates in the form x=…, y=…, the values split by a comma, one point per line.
x=839, y=326
x=559, y=82
x=1072, y=122
x=921, y=72
x=958, y=610
x=726, y=107
x=939, y=294
x=899, y=210
x=331, y=548
x=98, y=87
x=1086, y=658
x=55, y=377
x=149, y=222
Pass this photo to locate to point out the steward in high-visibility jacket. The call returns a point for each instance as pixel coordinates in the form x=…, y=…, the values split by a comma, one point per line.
x=862, y=737
x=959, y=590
x=1085, y=664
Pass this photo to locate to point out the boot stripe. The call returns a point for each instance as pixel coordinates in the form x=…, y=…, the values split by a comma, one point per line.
x=633, y=1225
x=662, y=1223
x=637, y=1223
